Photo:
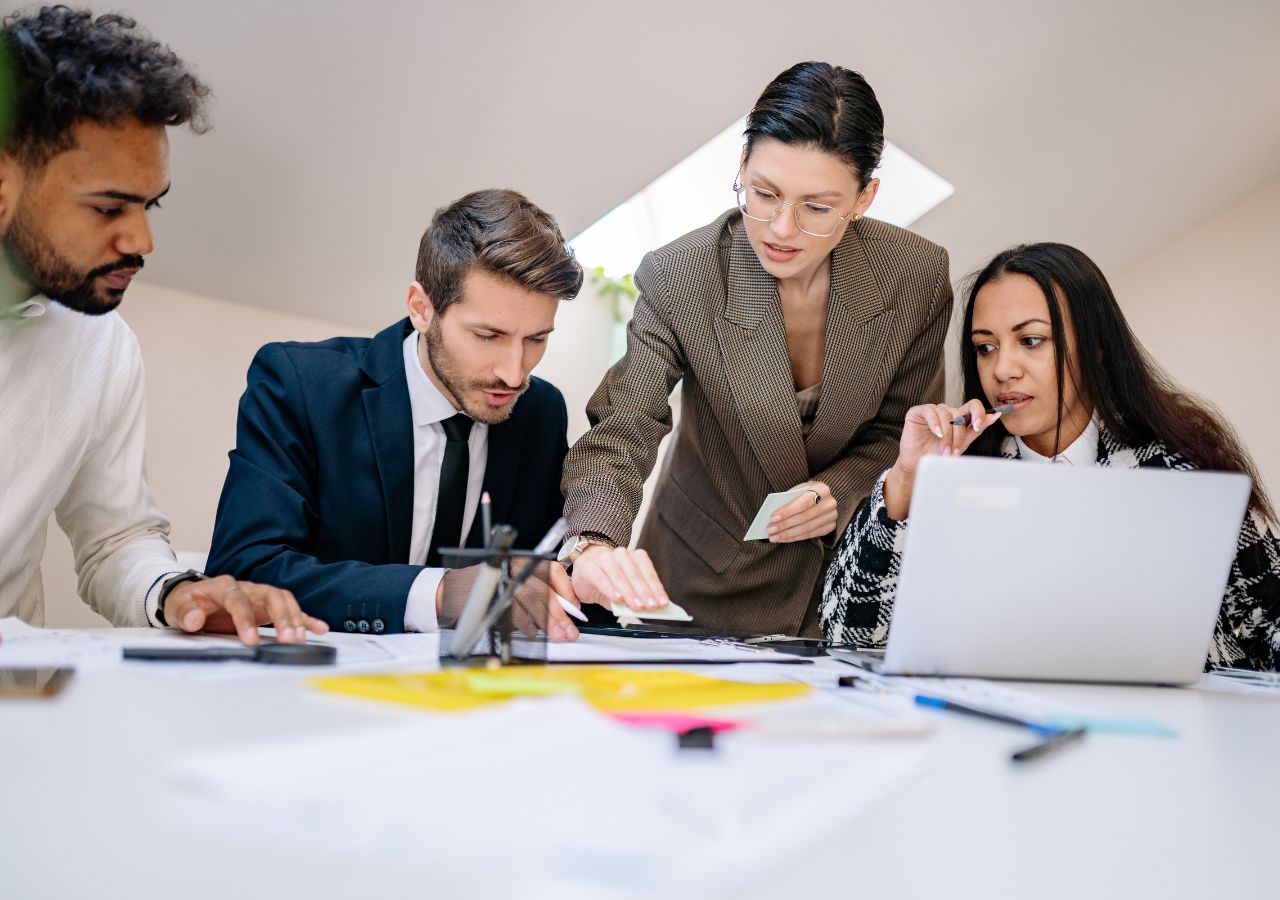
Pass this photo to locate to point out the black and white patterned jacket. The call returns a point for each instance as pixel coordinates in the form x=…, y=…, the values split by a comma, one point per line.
x=857, y=597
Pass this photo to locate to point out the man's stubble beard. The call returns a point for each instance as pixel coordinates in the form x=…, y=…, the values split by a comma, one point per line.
x=30, y=254
x=457, y=387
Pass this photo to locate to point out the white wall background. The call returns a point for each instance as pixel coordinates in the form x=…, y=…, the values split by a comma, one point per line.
x=197, y=351
x=1207, y=306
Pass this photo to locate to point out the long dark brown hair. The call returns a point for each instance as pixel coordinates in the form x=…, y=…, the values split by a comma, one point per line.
x=1136, y=401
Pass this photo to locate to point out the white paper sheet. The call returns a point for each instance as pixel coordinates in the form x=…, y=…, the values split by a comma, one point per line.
x=527, y=799
x=610, y=648
x=23, y=645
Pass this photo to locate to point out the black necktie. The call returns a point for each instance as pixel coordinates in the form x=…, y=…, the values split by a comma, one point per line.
x=451, y=500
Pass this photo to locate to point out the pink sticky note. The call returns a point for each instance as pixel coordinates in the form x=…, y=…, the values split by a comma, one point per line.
x=677, y=723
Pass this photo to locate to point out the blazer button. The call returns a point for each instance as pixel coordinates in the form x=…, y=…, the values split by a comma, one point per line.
x=379, y=626
x=363, y=625
x=349, y=625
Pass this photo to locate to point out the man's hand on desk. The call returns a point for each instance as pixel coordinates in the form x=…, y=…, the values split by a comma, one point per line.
x=534, y=606
x=608, y=575
x=227, y=606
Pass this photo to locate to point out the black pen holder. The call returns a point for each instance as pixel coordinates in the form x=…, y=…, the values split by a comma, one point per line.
x=495, y=626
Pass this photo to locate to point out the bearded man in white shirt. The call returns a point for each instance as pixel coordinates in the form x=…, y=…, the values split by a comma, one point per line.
x=83, y=158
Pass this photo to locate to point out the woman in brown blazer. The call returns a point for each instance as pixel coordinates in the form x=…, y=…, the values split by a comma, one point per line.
x=801, y=333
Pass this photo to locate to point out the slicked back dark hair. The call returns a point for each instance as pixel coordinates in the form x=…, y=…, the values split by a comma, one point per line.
x=499, y=232
x=820, y=105
x=1134, y=398
x=68, y=66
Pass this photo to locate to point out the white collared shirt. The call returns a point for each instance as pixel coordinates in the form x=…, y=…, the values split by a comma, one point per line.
x=72, y=442
x=430, y=408
x=1083, y=451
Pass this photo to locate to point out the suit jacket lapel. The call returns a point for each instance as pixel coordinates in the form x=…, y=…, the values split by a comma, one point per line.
x=753, y=342
x=853, y=354
x=390, y=420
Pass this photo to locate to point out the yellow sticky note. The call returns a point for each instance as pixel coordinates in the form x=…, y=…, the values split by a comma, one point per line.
x=608, y=688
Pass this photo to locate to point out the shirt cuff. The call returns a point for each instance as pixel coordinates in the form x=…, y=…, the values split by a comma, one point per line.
x=420, y=609
x=152, y=602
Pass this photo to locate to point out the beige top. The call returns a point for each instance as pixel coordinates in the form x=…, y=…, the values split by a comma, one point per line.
x=807, y=401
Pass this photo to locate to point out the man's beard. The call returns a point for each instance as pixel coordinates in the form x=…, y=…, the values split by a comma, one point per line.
x=30, y=254
x=442, y=364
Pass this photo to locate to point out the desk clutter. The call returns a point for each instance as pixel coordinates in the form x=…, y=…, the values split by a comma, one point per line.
x=679, y=766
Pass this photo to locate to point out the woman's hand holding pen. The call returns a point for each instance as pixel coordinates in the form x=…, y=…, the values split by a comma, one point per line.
x=607, y=575
x=928, y=431
x=810, y=516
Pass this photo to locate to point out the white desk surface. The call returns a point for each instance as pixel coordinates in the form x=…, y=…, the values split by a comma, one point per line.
x=81, y=807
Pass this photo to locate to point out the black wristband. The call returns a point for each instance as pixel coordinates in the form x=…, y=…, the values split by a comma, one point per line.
x=169, y=585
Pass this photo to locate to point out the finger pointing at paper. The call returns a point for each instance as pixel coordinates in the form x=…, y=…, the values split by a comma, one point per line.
x=608, y=575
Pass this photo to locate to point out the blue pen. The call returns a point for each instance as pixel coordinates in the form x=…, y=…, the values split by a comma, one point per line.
x=942, y=703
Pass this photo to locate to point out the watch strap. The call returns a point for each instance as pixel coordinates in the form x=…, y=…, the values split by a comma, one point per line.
x=576, y=545
x=169, y=585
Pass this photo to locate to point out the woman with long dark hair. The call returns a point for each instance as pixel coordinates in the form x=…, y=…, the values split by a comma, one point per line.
x=801, y=332
x=1044, y=333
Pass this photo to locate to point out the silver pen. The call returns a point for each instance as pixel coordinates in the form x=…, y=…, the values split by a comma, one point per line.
x=968, y=417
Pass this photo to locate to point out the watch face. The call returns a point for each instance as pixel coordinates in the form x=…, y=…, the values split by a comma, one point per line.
x=571, y=550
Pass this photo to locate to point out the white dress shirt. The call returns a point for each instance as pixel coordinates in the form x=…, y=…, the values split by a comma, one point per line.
x=1083, y=451
x=430, y=408
x=72, y=442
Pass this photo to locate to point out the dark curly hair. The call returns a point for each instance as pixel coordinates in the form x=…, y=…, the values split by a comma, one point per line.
x=67, y=66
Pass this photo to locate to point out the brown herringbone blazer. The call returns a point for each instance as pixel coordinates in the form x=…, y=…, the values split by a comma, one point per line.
x=709, y=314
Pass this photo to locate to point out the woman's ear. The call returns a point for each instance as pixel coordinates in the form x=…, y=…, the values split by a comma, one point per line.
x=864, y=199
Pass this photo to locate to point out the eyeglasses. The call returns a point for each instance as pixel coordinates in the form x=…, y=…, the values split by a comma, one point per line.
x=763, y=205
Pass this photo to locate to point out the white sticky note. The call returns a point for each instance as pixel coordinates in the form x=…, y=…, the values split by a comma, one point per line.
x=669, y=613
x=759, y=530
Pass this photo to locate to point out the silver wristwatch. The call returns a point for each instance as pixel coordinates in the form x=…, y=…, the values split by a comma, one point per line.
x=575, y=546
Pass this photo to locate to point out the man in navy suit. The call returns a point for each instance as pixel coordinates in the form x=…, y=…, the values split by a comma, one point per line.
x=358, y=459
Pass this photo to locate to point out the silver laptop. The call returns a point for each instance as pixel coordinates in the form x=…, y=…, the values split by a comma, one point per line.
x=1049, y=572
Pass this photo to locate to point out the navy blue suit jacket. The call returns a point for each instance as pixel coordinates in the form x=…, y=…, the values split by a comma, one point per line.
x=319, y=495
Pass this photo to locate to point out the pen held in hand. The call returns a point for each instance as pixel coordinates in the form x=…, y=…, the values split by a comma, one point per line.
x=968, y=417
x=570, y=608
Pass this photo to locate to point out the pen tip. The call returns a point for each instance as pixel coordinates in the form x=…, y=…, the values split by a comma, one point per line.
x=484, y=498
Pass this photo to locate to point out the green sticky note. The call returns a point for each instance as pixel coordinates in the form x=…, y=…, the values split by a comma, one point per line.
x=517, y=686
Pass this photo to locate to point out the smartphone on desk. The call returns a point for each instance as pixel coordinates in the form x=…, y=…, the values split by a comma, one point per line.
x=796, y=646
x=34, y=682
